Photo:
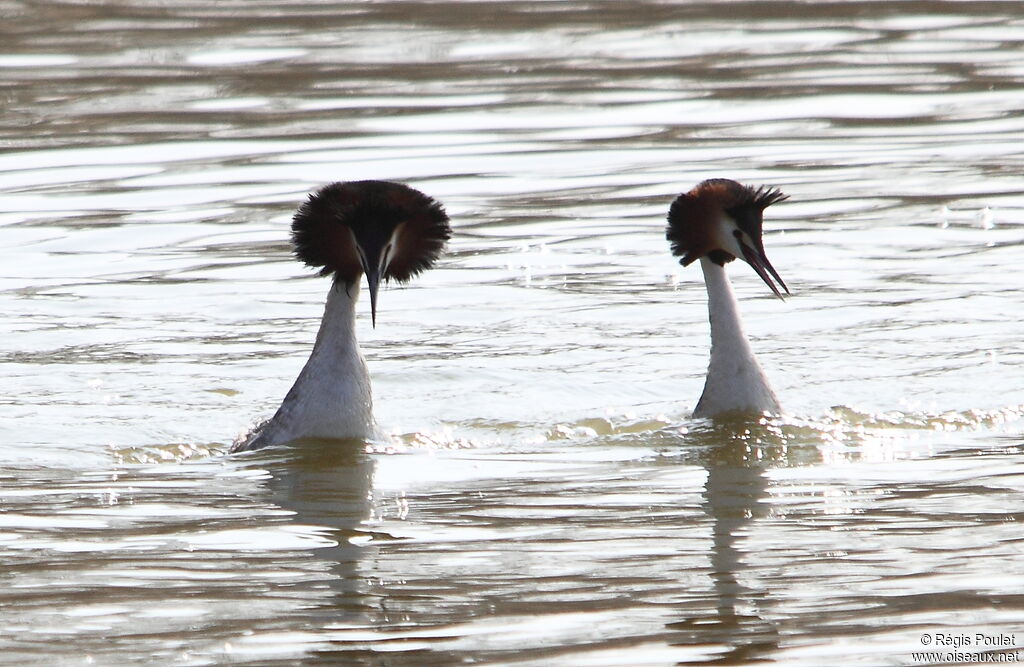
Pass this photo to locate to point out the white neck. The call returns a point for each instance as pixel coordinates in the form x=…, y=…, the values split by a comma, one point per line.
x=331, y=398
x=735, y=381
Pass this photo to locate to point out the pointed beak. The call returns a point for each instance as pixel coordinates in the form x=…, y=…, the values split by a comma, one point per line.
x=375, y=266
x=373, y=282
x=759, y=261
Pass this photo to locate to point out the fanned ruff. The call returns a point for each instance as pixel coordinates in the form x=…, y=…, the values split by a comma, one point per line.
x=330, y=224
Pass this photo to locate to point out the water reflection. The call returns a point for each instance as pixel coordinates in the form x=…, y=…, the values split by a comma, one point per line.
x=327, y=486
x=734, y=500
x=154, y=152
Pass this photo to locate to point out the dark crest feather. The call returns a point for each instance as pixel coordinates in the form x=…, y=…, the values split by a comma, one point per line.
x=765, y=196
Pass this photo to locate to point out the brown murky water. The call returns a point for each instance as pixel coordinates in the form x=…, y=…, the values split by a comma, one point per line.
x=545, y=497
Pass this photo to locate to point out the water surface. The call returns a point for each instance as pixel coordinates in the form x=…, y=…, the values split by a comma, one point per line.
x=544, y=496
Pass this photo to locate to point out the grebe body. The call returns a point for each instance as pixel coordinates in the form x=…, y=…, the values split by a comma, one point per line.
x=716, y=222
x=385, y=231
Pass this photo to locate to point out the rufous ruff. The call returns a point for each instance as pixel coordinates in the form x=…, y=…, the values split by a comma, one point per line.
x=385, y=231
x=716, y=222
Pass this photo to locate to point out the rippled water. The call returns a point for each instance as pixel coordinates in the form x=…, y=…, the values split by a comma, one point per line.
x=544, y=497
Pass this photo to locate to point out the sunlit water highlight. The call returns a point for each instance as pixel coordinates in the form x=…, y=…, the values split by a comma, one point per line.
x=542, y=495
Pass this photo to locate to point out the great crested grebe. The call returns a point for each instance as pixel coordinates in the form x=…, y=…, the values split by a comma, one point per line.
x=716, y=222
x=387, y=231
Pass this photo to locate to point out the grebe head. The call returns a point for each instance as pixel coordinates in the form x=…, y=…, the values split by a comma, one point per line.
x=385, y=230
x=721, y=219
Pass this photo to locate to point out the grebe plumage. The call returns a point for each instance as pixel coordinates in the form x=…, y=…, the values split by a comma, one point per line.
x=716, y=222
x=385, y=231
